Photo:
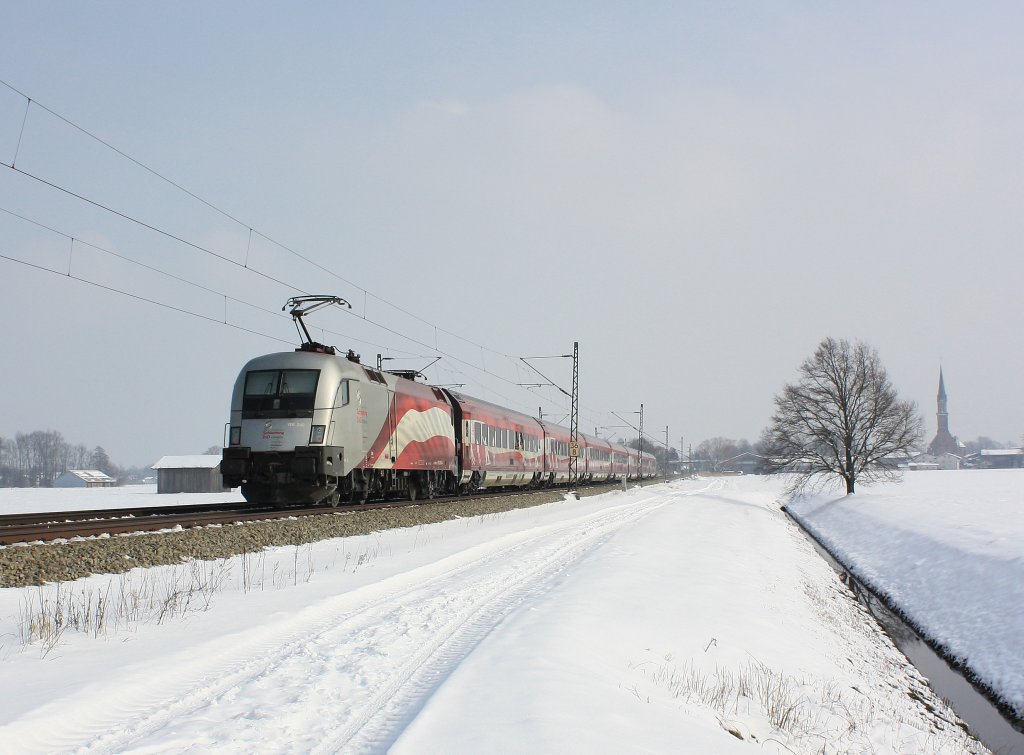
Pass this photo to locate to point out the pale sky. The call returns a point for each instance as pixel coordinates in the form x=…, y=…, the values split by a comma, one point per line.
x=698, y=193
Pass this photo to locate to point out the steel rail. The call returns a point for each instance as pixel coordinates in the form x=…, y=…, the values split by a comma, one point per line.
x=58, y=525
x=41, y=517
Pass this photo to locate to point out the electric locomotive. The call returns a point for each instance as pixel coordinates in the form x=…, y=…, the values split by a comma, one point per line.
x=310, y=426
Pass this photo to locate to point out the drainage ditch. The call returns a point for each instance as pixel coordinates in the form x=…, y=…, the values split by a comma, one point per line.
x=996, y=729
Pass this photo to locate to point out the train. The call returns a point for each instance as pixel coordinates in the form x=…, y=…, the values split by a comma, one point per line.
x=311, y=426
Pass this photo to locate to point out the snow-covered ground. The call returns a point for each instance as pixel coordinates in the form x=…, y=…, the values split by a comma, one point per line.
x=28, y=500
x=948, y=548
x=674, y=618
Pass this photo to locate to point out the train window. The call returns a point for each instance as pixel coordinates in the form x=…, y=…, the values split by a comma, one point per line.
x=299, y=381
x=279, y=393
x=343, y=393
x=261, y=383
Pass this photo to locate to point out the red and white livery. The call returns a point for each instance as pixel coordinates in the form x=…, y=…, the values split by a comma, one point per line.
x=309, y=426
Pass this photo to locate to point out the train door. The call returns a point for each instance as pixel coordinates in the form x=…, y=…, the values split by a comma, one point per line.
x=392, y=447
x=342, y=430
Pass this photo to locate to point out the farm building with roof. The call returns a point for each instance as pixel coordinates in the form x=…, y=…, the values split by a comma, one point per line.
x=189, y=474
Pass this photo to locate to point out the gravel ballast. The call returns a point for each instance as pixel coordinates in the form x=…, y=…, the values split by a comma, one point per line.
x=39, y=563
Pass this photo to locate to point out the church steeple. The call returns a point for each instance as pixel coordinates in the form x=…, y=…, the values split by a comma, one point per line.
x=942, y=415
x=944, y=442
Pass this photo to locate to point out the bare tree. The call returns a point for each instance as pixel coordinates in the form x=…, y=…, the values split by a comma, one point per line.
x=717, y=450
x=35, y=459
x=841, y=418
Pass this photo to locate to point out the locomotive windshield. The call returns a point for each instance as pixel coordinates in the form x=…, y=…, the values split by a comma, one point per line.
x=279, y=393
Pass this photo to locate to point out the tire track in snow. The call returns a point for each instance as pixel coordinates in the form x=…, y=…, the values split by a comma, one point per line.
x=123, y=713
x=386, y=714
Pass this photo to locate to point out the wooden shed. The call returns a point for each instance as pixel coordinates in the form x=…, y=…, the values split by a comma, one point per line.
x=189, y=474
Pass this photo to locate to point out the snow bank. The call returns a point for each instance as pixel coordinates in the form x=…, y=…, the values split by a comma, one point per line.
x=673, y=618
x=947, y=548
x=29, y=500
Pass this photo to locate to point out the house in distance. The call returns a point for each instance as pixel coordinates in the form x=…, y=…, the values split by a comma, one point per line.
x=84, y=478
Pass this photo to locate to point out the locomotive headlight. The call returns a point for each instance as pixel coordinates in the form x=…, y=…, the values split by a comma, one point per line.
x=236, y=436
x=316, y=435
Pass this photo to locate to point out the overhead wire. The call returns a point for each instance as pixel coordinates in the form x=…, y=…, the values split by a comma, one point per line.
x=137, y=297
x=229, y=216
x=180, y=279
x=252, y=231
x=254, y=270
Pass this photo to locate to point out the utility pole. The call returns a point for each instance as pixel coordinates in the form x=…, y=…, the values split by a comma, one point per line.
x=641, y=448
x=574, y=433
x=574, y=427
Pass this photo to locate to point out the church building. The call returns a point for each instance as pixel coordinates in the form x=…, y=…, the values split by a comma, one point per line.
x=944, y=442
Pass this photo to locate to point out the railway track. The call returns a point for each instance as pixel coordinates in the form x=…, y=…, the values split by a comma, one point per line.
x=49, y=526
x=63, y=525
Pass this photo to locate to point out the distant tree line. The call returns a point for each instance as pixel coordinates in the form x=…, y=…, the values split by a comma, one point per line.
x=36, y=459
x=984, y=443
x=717, y=451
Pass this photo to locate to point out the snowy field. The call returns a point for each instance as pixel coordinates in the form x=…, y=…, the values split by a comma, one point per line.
x=28, y=500
x=675, y=618
x=948, y=547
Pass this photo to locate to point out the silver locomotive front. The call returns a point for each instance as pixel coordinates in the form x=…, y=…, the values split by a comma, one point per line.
x=285, y=443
